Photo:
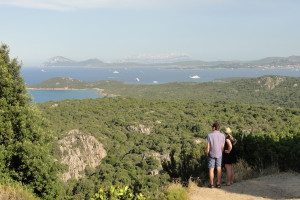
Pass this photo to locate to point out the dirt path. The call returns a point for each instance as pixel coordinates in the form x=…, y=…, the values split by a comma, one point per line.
x=276, y=186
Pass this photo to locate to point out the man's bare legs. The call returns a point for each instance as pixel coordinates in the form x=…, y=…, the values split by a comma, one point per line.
x=219, y=175
x=212, y=175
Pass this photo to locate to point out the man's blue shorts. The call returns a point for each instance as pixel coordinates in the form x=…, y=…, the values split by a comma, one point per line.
x=214, y=162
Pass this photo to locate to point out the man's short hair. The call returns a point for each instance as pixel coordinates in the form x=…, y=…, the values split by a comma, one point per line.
x=216, y=125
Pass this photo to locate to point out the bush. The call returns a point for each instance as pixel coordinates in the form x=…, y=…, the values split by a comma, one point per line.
x=176, y=192
x=118, y=193
x=13, y=190
x=262, y=151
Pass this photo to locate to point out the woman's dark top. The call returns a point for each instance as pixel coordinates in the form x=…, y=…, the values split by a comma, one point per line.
x=229, y=158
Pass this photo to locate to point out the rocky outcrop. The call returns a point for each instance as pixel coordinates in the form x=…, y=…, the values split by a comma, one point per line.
x=155, y=172
x=156, y=156
x=78, y=151
x=271, y=82
x=140, y=129
x=160, y=158
x=198, y=141
x=54, y=105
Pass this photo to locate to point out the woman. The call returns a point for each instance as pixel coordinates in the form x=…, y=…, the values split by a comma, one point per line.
x=229, y=156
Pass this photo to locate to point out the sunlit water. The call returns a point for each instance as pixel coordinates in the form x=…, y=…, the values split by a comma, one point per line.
x=144, y=75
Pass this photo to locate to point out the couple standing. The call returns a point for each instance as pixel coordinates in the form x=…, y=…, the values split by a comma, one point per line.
x=218, y=147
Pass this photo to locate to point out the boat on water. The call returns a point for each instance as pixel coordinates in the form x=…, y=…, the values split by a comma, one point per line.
x=195, y=76
x=116, y=72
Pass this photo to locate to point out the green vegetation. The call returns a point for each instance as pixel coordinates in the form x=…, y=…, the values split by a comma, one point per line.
x=266, y=90
x=269, y=149
x=13, y=190
x=175, y=192
x=118, y=193
x=177, y=130
x=24, y=154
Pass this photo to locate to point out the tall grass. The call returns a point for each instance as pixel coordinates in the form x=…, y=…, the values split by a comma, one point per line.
x=15, y=191
x=176, y=191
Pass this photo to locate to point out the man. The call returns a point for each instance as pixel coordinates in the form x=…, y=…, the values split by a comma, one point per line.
x=214, y=148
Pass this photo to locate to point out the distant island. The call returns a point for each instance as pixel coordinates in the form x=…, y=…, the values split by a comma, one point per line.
x=176, y=62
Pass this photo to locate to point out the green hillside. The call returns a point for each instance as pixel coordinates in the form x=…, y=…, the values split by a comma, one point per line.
x=266, y=90
x=177, y=126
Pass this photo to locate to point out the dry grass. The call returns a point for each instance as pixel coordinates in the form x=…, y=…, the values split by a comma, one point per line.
x=176, y=191
x=15, y=192
x=192, y=186
x=242, y=171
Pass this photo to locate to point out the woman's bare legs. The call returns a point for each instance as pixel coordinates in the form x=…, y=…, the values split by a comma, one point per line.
x=229, y=175
x=232, y=174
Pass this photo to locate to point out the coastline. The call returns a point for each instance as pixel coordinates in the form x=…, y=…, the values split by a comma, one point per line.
x=297, y=67
x=100, y=91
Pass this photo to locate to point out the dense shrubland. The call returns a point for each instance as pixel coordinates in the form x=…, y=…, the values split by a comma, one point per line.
x=266, y=134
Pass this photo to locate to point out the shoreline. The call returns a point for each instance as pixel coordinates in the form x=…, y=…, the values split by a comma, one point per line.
x=100, y=91
x=212, y=68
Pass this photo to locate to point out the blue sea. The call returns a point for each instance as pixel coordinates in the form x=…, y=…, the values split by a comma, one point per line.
x=135, y=75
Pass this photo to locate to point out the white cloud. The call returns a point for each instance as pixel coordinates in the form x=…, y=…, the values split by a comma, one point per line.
x=117, y=4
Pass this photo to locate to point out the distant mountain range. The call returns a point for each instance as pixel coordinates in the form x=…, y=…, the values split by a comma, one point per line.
x=280, y=60
x=163, y=58
x=142, y=59
x=59, y=61
x=181, y=61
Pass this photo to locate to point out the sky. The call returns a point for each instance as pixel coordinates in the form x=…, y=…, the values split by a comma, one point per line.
x=207, y=30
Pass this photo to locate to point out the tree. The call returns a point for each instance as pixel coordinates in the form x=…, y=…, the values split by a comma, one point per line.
x=25, y=156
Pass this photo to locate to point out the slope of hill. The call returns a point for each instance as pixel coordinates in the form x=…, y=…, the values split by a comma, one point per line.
x=266, y=90
x=291, y=60
x=138, y=134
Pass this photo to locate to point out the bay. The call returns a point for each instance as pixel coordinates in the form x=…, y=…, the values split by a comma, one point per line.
x=135, y=75
x=41, y=96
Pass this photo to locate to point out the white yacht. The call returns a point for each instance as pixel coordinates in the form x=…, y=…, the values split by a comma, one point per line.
x=116, y=72
x=195, y=76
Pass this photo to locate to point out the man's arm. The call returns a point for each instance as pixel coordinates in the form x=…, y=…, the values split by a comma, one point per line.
x=223, y=147
x=207, y=148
